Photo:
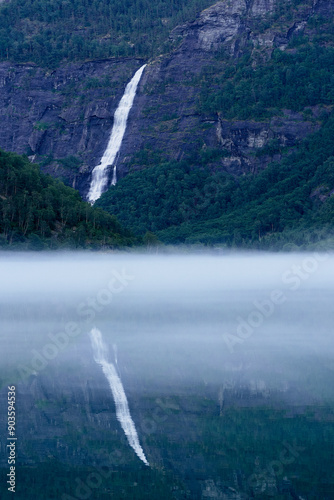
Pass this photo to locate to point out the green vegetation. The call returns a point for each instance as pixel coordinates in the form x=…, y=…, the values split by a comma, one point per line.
x=290, y=204
x=287, y=81
x=260, y=84
x=49, y=32
x=54, y=480
x=182, y=202
x=259, y=451
x=39, y=212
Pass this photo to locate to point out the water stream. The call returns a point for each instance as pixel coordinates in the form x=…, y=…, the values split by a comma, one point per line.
x=100, y=174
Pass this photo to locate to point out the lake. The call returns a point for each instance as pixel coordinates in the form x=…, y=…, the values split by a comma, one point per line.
x=194, y=375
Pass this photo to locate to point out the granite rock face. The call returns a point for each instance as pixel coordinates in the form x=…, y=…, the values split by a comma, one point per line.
x=63, y=118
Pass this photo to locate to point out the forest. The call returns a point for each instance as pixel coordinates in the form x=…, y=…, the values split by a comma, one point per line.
x=39, y=212
x=295, y=81
x=288, y=205
x=50, y=32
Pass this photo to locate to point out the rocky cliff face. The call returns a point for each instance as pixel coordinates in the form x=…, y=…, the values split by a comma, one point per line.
x=225, y=23
x=63, y=118
x=232, y=24
x=166, y=113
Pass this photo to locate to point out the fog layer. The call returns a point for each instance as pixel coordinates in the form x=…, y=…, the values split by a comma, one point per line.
x=260, y=319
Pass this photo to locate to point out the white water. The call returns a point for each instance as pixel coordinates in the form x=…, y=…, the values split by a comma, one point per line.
x=115, y=353
x=100, y=173
x=116, y=386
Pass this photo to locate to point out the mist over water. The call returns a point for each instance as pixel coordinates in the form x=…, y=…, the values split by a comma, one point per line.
x=177, y=320
x=215, y=369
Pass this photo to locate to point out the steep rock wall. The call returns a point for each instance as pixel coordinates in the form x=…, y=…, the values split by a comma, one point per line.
x=167, y=117
x=53, y=116
x=63, y=118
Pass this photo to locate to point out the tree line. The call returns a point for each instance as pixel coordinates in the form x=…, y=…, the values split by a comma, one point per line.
x=288, y=203
x=49, y=32
x=38, y=212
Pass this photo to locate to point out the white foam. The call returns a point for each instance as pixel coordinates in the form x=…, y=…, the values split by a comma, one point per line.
x=100, y=174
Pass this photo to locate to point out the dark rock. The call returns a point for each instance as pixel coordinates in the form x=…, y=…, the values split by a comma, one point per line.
x=69, y=111
x=165, y=116
x=66, y=112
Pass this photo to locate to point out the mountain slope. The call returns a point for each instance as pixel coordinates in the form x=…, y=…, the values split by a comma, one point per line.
x=289, y=202
x=234, y=83
x=39, y=212
x=242, y=86
x=52, y=32
x=257, y=94
x=208, y=87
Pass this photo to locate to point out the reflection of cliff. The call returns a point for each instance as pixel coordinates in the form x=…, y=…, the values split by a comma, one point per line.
x=66, y=419
x=63, y=118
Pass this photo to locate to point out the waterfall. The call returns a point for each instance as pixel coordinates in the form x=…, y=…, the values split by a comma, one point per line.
x=122, y=408
x=99, y=182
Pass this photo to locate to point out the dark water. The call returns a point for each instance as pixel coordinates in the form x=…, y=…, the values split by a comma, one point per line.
x=227, y=363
